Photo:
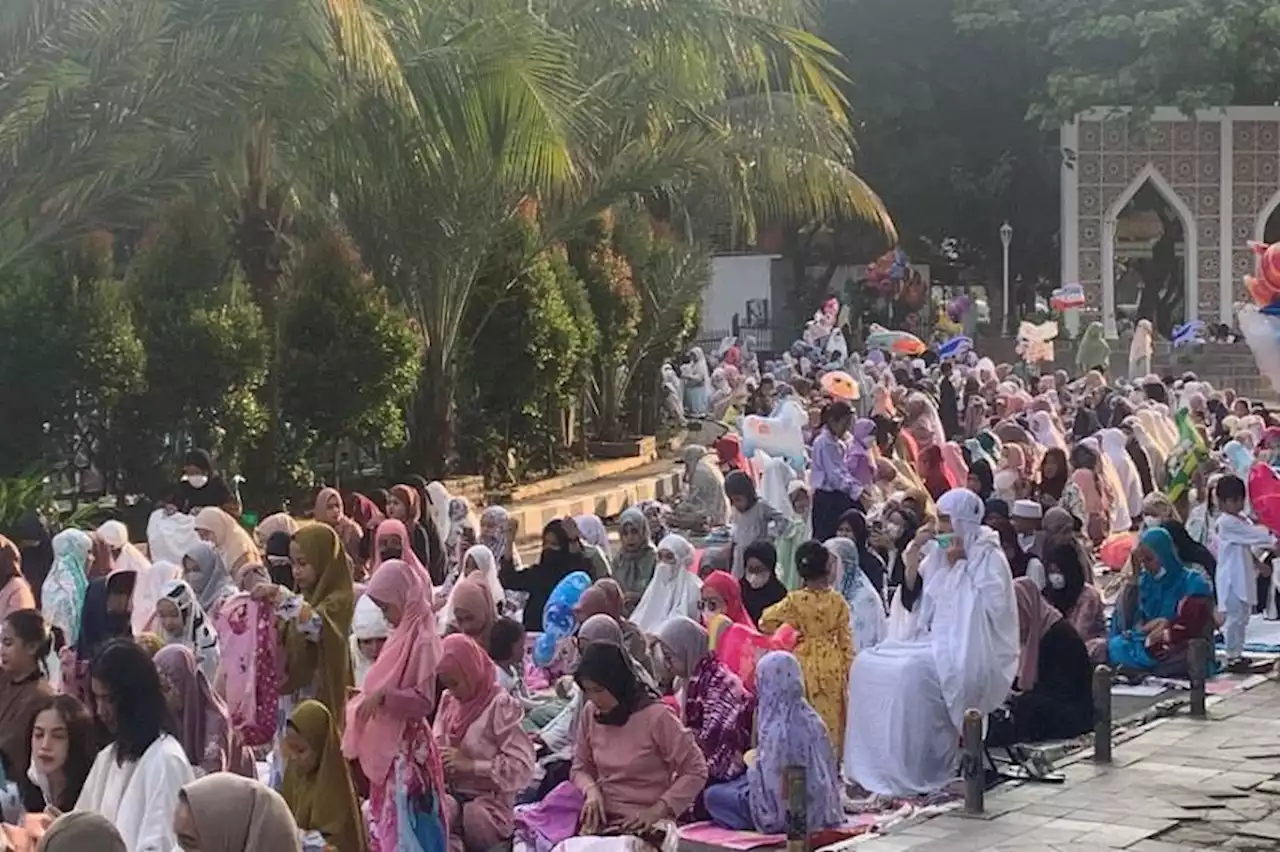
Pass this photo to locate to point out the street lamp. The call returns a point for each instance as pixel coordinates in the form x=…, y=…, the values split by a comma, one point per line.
x=1006, y=237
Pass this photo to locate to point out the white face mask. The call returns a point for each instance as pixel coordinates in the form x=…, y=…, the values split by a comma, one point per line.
x=757, y=581
x=668, y=566
x=198, y=480
x=893, y=530
x=1026, y=541
x=1057, y=581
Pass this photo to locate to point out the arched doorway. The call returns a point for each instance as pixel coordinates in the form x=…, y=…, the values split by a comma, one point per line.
x=1149, y=237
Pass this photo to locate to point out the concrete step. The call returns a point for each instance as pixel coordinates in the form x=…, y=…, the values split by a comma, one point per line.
x=606, y=497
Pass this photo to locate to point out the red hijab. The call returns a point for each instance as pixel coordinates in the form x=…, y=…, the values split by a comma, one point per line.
x=724, y=585
x=937, y=478
x=729, y=451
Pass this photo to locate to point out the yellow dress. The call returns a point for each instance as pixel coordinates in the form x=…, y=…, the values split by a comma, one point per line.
x=825, y=650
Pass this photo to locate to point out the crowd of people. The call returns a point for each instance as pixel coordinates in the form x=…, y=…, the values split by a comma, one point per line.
x=362, y=677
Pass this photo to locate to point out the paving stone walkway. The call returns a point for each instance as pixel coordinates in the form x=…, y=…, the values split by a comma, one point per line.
x=1180, y=784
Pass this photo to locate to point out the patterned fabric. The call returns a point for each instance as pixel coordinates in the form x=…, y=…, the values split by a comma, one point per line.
x=719, y=711
x=251, y=661
x=406, y=813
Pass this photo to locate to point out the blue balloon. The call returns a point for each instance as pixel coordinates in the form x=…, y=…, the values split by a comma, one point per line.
x=544, y=650
x=557, y=615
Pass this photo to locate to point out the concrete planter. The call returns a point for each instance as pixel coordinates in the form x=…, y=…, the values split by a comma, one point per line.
x=646, y=447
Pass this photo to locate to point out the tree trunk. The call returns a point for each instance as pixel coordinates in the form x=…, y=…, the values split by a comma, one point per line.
x=431, y=442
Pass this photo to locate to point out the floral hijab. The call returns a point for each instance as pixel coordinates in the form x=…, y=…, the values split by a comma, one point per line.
x=197, y=633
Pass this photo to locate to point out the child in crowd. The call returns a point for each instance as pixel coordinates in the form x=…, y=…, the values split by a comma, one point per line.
x=1235, y=580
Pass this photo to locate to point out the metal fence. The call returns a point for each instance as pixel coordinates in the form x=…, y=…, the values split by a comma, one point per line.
x=759, y=339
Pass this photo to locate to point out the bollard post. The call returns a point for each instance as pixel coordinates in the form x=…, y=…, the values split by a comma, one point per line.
x=1198, y=651
x=975, y=780
x=797, y=810
x=1102, y=715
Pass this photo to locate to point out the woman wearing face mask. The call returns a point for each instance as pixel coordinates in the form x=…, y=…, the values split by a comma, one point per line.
x=202, y=486
x=554, y=564
x=675, y=590
x=1162, y=608
x=963, y=654
x=64, y=744
x=1080, y=603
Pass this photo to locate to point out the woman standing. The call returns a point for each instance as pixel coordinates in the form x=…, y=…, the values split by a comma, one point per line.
x=206, y=572
x=317, y=785
x=488, y=758
x=234, y=544
x=62, y=596
x=405, y=505
x=834, y=490
x=24, y=688
x=387, y=729
x=181, y=620
x=63, y=745
x=316, y=642
x=204, y=727
x=329, y=511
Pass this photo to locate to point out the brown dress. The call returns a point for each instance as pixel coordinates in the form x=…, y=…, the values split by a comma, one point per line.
x=18, y=703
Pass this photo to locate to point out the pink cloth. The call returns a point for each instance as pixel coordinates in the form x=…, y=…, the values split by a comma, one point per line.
x=16, y=595
x=407, y=664
x=249, y=641
x=1035, y=616
x=554, y=819
x=651, y=758
x=391, y=528
x=501, y=759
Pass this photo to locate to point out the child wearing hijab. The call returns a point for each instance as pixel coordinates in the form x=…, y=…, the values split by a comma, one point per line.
x=760, y=587
x=317, y=784
x=204, y=568
x=181, y=620
x=488, y=758
x=204, y=726
x=472, y=610
x=825, y=649
x=329, y=511
x=387, y=729
x=369, y=631
x=791, y=733
x=753, y=519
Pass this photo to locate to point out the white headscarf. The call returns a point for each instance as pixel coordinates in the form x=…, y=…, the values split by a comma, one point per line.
x=674, y=589
x=147, y=592
x=197, y=633
x=438, y=506
x=775, y=485
x=1046, y=434
x=486, y=568
x=116, y=535
x=593, y=531
x=368, y=623
x=1113, y=444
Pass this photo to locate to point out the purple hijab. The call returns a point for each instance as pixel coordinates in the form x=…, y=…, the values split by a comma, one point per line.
x=204, y=715
x=858, y=456
x=791, y=733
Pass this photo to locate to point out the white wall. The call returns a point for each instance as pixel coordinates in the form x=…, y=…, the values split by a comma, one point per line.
x=734, y=280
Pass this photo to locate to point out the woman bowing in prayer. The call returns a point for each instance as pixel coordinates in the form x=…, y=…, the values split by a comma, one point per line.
x=675, y=590
x=1158, y=614
x=317, y=784
x=387, y=729
x=825, y=648
x=180, y=620
x=791, y=734
x=714, y=704
x=488, y=758
x=201, y=717
x=1053, y=693
x=960, y=652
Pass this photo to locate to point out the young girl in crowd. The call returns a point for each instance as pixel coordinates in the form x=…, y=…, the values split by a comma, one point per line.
x=488, y=758
x=180, y=620
x=387, y=731
x=760, y=586
x=201, y=718
x=825, y=649
x=204, y=569
x=317, y=785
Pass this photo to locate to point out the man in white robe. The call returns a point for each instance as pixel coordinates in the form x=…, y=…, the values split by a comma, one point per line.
x=908, y=696
x=135, y=781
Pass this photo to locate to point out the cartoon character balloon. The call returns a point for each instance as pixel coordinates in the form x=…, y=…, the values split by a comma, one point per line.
x=1260, y=322
x=558, y=620
x=740, y=648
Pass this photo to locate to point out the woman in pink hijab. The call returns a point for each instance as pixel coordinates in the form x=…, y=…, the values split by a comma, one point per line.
x=488, y=757
x=387, y=729
x=392, y=541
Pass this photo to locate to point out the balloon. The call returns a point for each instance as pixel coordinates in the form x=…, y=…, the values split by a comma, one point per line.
x=902, y=342
x=1188, y=333
x=781, y=435
x=740, y=647
x=1261, y=330
x=840, y=384
x=1268, y=263
x=1264, y=494
x=558, y=619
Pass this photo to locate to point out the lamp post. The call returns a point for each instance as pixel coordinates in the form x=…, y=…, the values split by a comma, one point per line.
x=1006, y=237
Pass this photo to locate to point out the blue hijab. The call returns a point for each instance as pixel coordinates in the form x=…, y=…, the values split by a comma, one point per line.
x=1158, y=597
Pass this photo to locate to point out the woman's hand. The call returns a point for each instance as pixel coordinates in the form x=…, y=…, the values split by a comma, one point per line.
x=591, y=820
x=646, y=819
x=955, y=552
x=371, y=703
x=1155, y=625
x=265, y=592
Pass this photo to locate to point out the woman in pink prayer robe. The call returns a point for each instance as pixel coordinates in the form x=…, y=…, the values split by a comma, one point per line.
x=488, y=758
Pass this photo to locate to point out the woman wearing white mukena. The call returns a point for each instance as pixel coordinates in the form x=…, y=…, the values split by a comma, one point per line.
x=959, y=651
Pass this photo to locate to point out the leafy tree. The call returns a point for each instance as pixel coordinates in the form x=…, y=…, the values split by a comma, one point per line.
x=349, y=358
x=1139, y=53
x=69, y=355
x=206, y=350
